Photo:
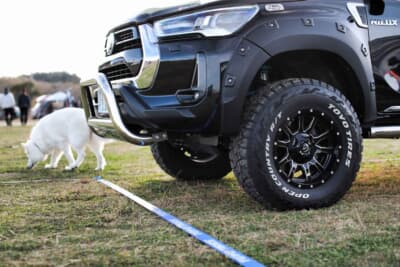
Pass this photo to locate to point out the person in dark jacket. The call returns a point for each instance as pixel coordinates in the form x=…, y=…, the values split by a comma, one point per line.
x=24, y=103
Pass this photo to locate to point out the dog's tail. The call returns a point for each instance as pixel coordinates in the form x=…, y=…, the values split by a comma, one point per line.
x=103, y=140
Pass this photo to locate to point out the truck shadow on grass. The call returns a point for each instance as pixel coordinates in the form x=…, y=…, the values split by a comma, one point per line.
x=375, y=182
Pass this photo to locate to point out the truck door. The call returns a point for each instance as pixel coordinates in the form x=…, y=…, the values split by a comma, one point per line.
x=384, y=27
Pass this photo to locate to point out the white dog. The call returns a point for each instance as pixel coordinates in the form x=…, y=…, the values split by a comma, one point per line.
x=56, y=133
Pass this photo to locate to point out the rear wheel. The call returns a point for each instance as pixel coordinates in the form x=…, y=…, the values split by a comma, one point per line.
x=300, y=145
x=186, y=163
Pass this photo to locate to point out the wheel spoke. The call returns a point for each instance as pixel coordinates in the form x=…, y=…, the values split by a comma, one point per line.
x=293, y=169
x=317, y=165
x=283, y=143
x=306, y=171
x=300, y=126
x=324, y=149
x=288, y=131
x=284, y=159
x=322, y=136
x=311, y=125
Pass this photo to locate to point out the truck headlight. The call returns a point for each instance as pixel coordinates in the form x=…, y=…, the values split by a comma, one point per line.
x=210, y=23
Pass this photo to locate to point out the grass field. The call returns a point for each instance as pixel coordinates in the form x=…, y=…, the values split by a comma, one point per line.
x=67, y=219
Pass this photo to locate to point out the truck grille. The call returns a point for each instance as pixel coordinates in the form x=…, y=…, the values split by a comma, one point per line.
x=117, y=72
x=126, y=39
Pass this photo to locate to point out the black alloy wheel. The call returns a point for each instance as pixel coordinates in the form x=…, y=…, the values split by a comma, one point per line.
x=307, y=149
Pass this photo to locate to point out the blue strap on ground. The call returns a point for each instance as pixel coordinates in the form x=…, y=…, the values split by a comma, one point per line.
x=210, y=241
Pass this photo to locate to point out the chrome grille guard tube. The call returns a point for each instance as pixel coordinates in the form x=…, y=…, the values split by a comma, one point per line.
x=112, y=127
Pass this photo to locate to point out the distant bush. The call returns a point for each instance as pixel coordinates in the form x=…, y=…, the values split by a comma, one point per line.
x=53, y=77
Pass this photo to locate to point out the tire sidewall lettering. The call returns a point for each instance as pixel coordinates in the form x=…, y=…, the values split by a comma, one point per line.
x=347, y=131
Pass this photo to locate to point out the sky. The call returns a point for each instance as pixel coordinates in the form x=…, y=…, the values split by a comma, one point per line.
x=60, y=35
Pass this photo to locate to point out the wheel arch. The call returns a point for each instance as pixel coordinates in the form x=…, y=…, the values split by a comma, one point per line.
x=257, y=52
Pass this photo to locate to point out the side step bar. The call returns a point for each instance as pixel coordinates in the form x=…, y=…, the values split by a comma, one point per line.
x=385, y=132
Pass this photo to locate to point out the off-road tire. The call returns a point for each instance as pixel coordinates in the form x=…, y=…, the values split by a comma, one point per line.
x=174, y=162
x=254, y=151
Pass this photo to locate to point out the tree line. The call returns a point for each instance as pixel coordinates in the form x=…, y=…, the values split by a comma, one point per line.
x=53, y=77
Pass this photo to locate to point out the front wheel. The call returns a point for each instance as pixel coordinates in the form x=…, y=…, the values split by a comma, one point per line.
x=184, y=163
x=300, y=145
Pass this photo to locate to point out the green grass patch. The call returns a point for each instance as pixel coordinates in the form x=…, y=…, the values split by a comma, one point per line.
x=53, y=217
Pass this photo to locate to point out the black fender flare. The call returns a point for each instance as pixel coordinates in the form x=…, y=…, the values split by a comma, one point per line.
x=262, y=43
x=237, y=79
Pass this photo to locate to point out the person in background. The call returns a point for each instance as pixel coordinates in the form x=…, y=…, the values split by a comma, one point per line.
x=24, y=104
x=8, y=104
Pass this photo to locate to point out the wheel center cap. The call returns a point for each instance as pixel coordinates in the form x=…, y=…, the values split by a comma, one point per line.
x=301, y=147
x=301, y=141
x=305, y=150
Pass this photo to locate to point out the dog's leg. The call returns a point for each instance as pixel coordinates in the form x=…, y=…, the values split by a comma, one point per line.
x=101, y=161
x=55, y=158
x=96, y=146
x=81, y=156
x=70, y=157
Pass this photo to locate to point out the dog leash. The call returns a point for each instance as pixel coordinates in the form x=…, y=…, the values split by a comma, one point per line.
x=227, y=251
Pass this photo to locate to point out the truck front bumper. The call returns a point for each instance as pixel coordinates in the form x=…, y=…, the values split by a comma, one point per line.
x=103, y=116
x=176, y=89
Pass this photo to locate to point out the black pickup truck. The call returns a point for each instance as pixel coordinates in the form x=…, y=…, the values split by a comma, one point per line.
x=280, y=92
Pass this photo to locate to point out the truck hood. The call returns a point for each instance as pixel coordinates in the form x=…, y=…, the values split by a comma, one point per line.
x=152, y=14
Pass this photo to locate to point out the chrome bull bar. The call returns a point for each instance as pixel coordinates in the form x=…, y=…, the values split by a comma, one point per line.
x=113, y=126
